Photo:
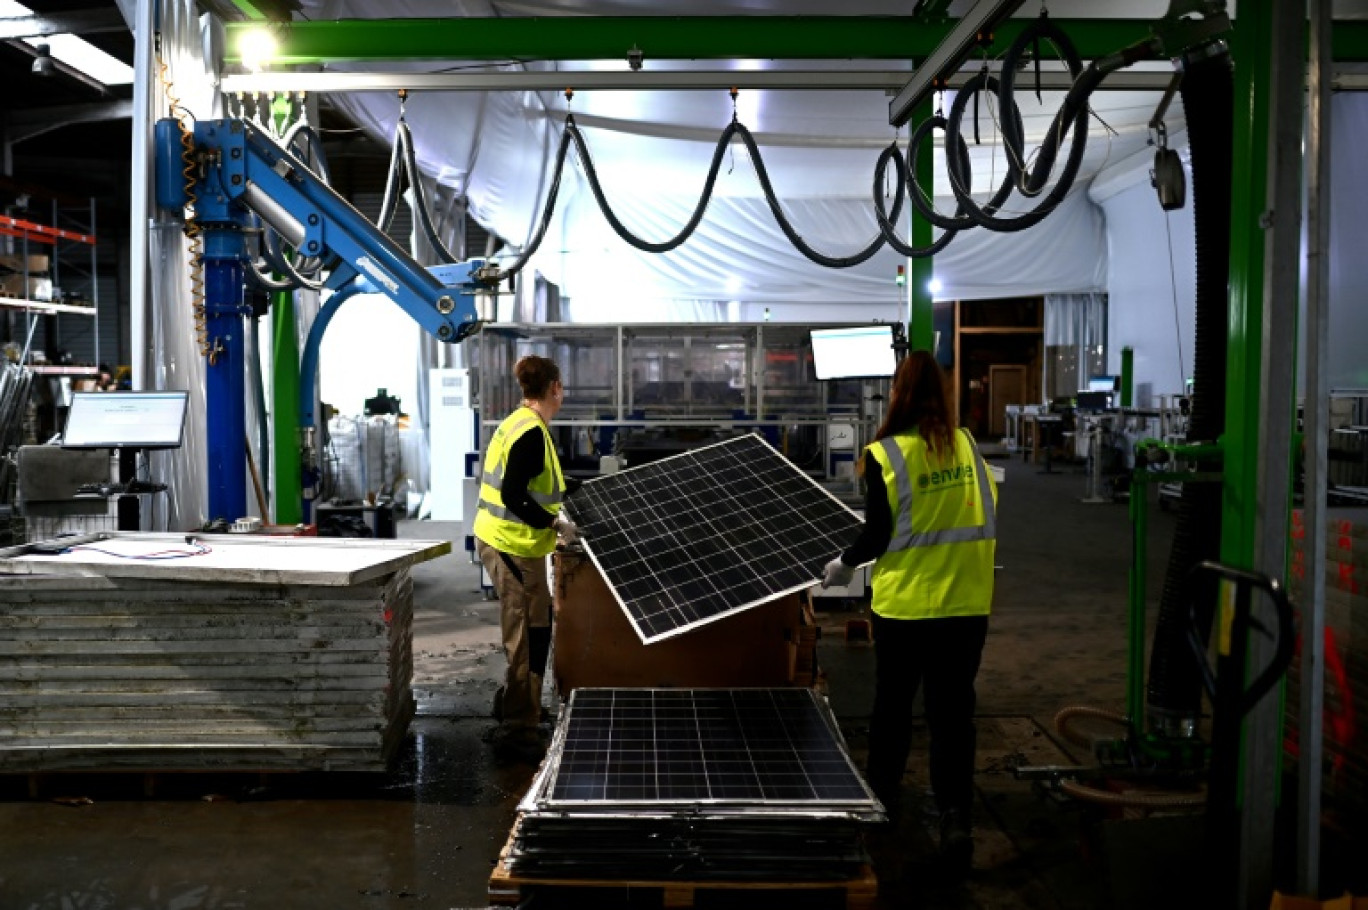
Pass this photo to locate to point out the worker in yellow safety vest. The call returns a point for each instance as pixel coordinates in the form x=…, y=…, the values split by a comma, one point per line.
x=931, y=531
x=516, y=526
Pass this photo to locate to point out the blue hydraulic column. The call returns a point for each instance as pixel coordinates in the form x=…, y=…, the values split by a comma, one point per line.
x=225, y=371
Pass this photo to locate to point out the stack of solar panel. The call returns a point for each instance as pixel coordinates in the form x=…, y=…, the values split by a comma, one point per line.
x=695, y=784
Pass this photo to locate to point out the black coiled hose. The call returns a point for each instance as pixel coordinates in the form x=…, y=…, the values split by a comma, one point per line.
x=963, y=168
x=1072, y=117
x=404, y=160
x=1174, y=690
x=891, y=154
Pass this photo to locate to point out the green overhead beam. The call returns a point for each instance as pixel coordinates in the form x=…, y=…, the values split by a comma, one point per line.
x=658, y=37
x=250, y=9
x=676, y=38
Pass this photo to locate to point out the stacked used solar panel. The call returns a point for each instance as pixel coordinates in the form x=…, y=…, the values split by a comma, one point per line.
x=182, y=675
x=695, y=784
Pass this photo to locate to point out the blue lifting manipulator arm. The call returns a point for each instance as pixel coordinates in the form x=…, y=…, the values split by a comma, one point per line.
x=236, y=171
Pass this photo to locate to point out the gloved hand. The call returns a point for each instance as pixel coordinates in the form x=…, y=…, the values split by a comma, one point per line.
x=837, y=574
x=566, y=529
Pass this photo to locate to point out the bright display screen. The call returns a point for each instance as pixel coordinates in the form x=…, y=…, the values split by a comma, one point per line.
x=863, y=351
x=146, y=420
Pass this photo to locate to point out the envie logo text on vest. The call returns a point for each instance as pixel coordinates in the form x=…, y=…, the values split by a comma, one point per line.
x=957, y=476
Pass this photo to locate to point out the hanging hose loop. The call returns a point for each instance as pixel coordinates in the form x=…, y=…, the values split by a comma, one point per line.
x=890, y=233
x=963, y=173
x=404, y=164
x=1072, y=111
x=1073, y=115
x=547, y=209
x=664, y=246
x=834, y=262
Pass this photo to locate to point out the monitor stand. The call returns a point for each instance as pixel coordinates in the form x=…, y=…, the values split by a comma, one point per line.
x=131, y=489
x=130, y=515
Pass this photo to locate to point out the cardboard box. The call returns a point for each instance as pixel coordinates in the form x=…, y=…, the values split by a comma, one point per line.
x=13, y=285
x=595, y=644
x=33, y=264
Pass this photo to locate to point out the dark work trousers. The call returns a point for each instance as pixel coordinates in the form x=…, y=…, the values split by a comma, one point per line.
x=943, y=656
x=525, y=607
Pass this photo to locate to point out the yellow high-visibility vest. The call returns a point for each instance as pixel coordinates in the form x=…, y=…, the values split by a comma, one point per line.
x=939, y=561
x=495, y=524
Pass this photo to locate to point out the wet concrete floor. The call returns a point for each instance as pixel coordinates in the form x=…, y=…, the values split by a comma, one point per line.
x=427, y=834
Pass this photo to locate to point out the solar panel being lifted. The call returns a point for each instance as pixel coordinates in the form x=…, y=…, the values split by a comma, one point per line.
x=695, y=537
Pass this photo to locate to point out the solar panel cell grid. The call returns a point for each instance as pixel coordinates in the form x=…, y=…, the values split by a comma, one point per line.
x=694, y=537
x=736, y=745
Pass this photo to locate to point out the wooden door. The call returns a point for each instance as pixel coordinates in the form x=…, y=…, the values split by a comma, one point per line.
x=1006, y=385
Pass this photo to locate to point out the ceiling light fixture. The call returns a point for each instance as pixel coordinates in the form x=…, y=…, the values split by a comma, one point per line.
x=257, y=47
x=69, y=54
x=42, y=61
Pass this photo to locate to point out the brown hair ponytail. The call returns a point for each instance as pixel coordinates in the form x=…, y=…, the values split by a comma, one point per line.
x=919, y=400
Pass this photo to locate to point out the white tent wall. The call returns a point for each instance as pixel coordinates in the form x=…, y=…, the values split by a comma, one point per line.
x=740, y=253
x=1152, y=263
x=1151, y=278
x=501, y=148
x=174, y=361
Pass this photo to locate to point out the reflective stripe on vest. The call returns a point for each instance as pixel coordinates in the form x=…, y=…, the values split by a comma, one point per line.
x=495, y=523
x=494, y=479
x=903, y=537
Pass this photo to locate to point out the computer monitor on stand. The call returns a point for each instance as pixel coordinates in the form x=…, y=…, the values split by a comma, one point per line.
x=129, y=422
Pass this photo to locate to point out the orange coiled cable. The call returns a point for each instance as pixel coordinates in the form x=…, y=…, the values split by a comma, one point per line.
x=192, y=228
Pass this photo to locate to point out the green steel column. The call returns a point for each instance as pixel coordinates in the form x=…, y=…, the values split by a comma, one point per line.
x=920, y=327
x=285, y=378
x=1250, y=48
x=285, y=391
x=1127, y=376
x=1269, y=50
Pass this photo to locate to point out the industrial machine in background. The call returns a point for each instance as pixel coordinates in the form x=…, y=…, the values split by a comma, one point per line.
x=637, y=393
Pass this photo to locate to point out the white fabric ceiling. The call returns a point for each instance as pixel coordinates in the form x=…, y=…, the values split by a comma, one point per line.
x=652, y=149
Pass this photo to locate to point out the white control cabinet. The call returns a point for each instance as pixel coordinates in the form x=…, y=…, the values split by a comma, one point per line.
x=453, y=437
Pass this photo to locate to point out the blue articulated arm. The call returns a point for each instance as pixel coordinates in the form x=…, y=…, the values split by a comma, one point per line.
x=250, y=170
x=239, y=171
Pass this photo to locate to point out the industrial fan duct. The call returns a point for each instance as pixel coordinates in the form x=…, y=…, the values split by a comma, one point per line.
x=1174, y=690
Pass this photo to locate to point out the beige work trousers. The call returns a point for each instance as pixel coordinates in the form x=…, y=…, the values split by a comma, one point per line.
x=524, y=604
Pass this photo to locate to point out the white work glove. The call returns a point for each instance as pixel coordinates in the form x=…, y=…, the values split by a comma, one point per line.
x=837, y=574
x=566, y=529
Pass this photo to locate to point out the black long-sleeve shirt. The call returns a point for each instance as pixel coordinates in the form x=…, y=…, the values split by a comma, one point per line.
x=527, y=459
x=878, y=529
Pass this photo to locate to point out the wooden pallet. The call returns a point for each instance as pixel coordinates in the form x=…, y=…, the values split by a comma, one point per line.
x=76, y=785
x=507, y=889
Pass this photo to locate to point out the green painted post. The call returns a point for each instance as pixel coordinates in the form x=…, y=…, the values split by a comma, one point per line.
x=1260, y=371
x=1250, y=47
x=1127, y=377
x=921, y=330
x=285, y=391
